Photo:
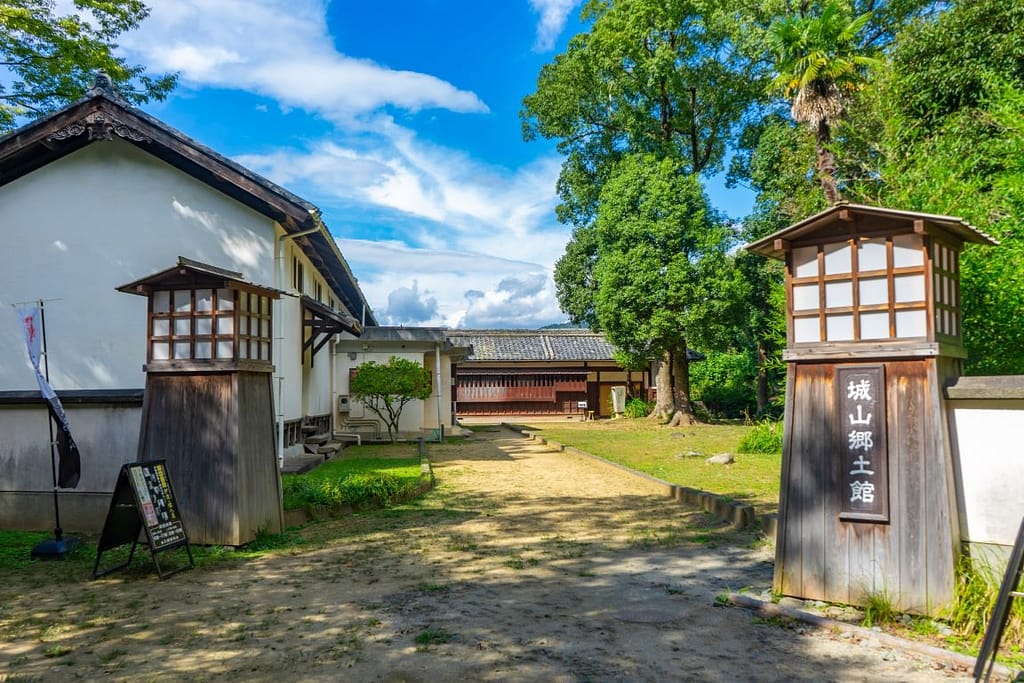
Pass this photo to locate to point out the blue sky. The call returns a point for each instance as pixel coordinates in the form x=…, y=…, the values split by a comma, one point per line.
x=400, y=120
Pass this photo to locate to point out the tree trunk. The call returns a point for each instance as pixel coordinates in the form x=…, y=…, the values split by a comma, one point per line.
x=762, y=379
x=663, y=381
x=681, y=388
x=827, y=163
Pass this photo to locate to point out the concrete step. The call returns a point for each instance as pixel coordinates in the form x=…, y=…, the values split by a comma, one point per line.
x=317, y=438
x=310, y=429
x=329, y=449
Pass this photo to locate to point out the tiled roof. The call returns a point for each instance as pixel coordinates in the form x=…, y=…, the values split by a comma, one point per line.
x=533, y=345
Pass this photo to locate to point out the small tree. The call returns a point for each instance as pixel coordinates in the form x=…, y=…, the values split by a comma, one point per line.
x=386, y=389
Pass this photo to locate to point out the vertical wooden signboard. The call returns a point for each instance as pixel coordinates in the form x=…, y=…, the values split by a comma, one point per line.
x=143, y=500
x=865, y=456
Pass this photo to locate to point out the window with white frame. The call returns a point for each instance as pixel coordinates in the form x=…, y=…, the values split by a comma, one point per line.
x=861, y=289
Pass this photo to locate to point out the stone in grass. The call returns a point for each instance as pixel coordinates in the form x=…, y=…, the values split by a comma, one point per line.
x=721, y=459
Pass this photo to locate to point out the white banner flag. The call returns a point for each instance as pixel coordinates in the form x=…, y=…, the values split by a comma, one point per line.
x=70, y=467
x=33, y=330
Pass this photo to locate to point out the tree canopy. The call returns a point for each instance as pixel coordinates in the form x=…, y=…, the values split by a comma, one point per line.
x=48, y=60
x=663, y=276
x=912, y=104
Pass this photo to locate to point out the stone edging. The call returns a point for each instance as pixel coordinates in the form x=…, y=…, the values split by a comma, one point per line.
x=739, y=515
x=770, y=609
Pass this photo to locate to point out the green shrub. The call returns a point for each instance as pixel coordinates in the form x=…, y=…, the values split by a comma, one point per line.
x=359, y=489
x=765, y=437
x=725, y=383
x=637, y=407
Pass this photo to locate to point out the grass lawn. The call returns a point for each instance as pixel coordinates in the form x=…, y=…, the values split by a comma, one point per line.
x=392, y=462
x=677, y=455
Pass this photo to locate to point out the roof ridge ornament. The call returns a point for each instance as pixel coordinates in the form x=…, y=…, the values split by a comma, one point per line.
x=103, y=84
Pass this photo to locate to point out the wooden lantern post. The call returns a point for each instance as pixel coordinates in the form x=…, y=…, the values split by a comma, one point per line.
x=208, y=405
x=867, y=500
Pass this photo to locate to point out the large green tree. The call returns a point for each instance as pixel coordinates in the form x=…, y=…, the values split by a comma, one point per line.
x=657, y=77
x=664, y=278
x=952, y=104
x=48, y=59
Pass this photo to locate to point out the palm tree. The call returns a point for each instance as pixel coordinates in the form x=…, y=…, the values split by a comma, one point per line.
x=819, y=64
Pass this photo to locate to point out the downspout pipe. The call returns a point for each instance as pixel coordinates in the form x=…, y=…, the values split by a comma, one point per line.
x=437, y=369
x=279, y=332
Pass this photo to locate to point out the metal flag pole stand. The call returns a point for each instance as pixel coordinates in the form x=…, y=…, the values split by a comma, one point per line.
x=58, y=547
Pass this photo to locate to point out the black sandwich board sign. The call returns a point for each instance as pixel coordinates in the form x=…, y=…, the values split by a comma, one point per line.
x=1001, y=611
x=143, y=500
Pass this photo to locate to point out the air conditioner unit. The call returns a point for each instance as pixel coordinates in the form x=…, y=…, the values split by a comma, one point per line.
x=344, y=404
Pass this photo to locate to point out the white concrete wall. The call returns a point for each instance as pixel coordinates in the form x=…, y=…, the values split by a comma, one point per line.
x=109, y=214
x=95, y=219
x=417, y=415
x=107, y=437
x=288, y=357
x=989, y=458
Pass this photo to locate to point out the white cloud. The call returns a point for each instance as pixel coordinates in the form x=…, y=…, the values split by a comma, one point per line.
x=281, y=49
x=509, y=293
x=553, y=15
x=450, y=200
x=452, y=223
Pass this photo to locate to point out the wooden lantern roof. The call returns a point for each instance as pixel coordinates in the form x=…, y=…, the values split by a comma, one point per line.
x=189, y=273
x=843, y=220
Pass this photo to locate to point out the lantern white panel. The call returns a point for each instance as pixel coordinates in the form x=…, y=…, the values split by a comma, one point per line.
x=805, y=297
x=225, y=325
x=225, y=300
x=161, y=351
x=182, y=350
x=161, y=301
x=871, y=255
x=837, y=259
x=805, y=262
x=874, y=325
x=908, y=288
x=906, y=251
x=161, y=327
x=182, y=326
x=839, y=327
x=806, y=329
x=203, y=350
x=182, y=300
x=225, y=349
x=911, y=324
x=874, y=291
x=204, y=300
x=204, y=325
x=838, y=294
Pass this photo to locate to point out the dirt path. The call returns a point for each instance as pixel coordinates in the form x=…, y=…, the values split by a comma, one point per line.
x=524, y=564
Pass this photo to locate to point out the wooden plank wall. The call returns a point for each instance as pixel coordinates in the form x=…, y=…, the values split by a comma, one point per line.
x=258, y=474
x=216, y=446
x=911, y=559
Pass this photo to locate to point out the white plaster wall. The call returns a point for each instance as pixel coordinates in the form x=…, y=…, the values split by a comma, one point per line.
x=413, y=418
x=989, y=457
x=95, y=219
x=100, y=433
x=288, y=357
